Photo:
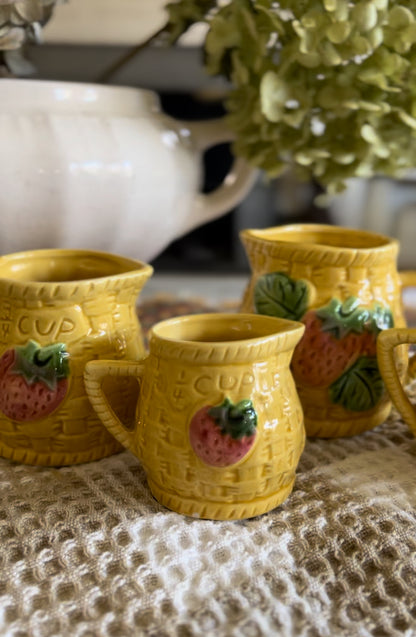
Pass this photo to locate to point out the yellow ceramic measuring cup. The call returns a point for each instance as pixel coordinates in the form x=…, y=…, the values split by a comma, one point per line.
x=58, y=310
x=343, y=284
x=219, y=426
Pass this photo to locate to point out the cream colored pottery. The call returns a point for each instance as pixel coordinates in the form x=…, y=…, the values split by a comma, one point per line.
x=58, y=310
x=343, y=284
x=102, y=168
x=219, y=427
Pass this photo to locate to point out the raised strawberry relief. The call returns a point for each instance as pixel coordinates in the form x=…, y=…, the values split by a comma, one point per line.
x=339, y=348
x=33, y=380
x=222, y=435
x=335, y=337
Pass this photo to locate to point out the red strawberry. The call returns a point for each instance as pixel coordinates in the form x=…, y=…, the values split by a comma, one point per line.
x=335, y=337
x=33, y=381
x=222, y=435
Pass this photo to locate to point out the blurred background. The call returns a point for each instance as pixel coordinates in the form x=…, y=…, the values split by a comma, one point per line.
x=84, y=40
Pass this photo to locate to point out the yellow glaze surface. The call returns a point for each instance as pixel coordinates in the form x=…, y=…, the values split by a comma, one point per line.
x=387, y=345
x=335, y=263
x=197, y=362
x=86, y=301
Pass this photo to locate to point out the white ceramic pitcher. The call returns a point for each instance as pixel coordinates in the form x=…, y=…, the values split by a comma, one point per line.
x=101, y=167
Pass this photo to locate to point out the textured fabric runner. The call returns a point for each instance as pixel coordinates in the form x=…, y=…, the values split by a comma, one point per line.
x=85, y=551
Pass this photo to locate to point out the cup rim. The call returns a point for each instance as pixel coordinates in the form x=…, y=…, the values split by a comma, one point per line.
x=272, y=241
x=281, y=326
x=266, y=234
x=283, y=336
x=128, y=277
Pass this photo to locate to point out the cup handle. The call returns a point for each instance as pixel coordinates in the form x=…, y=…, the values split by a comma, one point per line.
x=94, y=374
x=387, y=341
x=237, y=183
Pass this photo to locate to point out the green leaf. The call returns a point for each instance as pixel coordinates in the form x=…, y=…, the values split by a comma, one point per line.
x=329, y=54
x=400, y=17
x=274, y=94
x=364, y=15
x=235, y=420
x=407, y=119
x=330, y=5
x=342, y=10
x=360, y=387
x=276, y=294
x=338, y=32
x=339, y=318
x=42, y=364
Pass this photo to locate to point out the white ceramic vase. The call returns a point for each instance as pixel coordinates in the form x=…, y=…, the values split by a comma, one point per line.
x=99, y=167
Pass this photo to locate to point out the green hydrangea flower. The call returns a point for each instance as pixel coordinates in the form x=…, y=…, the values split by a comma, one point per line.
x=327, y=87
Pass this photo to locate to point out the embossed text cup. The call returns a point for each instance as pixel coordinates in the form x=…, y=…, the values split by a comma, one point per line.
x=343, y=284
x=58, y=310
x=219, y=426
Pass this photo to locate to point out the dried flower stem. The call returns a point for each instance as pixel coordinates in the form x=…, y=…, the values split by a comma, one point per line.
x=116, y=66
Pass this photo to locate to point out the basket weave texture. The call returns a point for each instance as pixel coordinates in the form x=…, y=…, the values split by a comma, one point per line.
x=183, y=379
x=95, y=319
x=369, y=274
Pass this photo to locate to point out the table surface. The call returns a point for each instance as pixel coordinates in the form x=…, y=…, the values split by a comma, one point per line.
x=212, y=289
x=86, y=551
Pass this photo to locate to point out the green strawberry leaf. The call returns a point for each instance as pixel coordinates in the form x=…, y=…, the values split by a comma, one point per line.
x=45, y=364
x=360, y=387
x=236, y=420
x=276, y=294
x=339, y=318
